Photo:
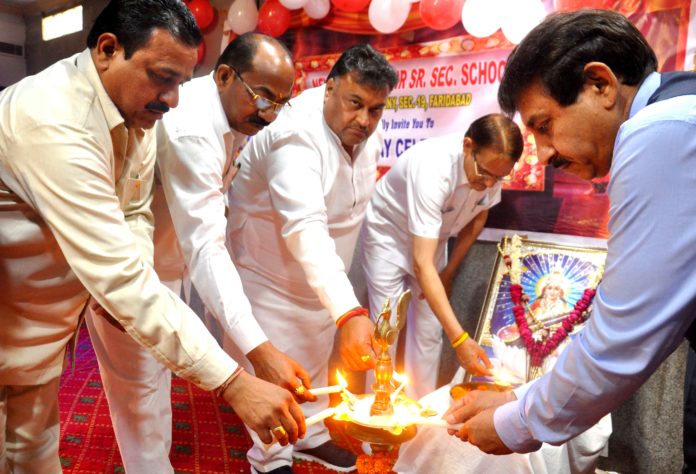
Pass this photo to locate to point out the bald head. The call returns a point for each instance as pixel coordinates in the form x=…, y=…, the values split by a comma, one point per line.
x=254, y=76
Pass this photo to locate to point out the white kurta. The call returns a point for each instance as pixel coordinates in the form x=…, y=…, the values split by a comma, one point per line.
x=295, y=212
x=195, y=145
x=426, y=194
x=70, y=227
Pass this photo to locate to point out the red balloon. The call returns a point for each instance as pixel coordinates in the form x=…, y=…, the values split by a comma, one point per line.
x=441, y=14
x=201, y=53
x=352, y=6
x=274, y=18
x=203, y=12
x=572, y=5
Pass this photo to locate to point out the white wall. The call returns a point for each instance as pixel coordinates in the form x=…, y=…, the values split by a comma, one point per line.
x=13, y=31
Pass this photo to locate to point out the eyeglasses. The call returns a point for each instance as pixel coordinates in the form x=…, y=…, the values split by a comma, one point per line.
x=484, y=174
x=262, y=103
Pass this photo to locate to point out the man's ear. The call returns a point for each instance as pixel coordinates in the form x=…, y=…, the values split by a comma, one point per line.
x=224, y=75
x=107, y=48
x=330, y=84
x=602, y=81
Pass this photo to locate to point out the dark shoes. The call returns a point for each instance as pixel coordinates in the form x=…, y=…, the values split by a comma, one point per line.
x=329, y=455
x=278, y=470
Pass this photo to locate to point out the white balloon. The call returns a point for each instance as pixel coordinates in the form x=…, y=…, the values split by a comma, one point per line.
x=242, y=16
x=293, y=4
x=481, y=18
x=520, y=17
x=387, y=16
x=317, y=9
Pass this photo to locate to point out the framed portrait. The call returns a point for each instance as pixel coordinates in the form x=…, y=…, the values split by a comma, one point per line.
x=553, y=279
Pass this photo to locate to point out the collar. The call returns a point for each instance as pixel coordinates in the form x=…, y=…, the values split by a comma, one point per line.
x=85, y=65
x=645, y=91
x=210, y=90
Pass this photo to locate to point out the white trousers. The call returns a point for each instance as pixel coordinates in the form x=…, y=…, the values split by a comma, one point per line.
x=29, y=429
x=304, y=334
x=138, y=390
x=423, y=346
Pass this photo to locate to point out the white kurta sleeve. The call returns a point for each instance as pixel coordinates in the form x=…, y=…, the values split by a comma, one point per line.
x=192, y=182
x=294, y=171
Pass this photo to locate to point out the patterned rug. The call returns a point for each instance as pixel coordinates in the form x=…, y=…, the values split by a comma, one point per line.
x=208, y=437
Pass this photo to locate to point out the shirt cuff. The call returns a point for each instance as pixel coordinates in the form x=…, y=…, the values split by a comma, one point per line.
x=511, y=428
x=212, y=370
x=247, y=334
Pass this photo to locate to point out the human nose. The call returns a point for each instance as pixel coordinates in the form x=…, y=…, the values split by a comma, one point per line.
x=170, y=97
x=270, y=113
x=545, y=152
x=363, y=117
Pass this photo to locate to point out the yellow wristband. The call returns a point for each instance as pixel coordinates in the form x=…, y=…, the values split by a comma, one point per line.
x=458, y=341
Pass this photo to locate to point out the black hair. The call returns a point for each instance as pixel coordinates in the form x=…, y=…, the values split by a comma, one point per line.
x=132, y=21
x=557, y=50
x=370, y=67
x=498, y=132
x=239, y=54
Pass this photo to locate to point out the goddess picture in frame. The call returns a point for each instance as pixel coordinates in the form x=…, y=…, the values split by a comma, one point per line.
x=539, y=297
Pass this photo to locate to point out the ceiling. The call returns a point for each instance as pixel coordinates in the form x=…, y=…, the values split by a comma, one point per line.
x=33, y=7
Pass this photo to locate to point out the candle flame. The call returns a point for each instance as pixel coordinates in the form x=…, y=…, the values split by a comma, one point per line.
x=401, y=378
x=341, y=380
x=502, y=376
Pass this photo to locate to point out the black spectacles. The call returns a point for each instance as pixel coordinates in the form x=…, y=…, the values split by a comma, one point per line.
x=262, y=103
x=484, y=174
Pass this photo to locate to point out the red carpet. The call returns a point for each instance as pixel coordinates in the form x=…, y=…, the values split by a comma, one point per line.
x=208, y=437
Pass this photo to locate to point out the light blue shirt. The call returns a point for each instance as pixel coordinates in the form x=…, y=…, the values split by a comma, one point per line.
x=647, y=298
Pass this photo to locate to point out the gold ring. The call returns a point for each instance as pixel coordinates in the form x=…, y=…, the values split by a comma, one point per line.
x=299, y=391
x=365, y=357
x=279, y=431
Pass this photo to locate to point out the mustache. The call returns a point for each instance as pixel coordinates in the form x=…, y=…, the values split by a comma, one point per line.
x=157, y=106
x=258, y=120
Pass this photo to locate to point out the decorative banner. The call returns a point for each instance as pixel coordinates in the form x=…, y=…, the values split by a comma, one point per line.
x=448, y=78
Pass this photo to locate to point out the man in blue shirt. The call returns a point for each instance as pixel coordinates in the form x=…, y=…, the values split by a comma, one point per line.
x=585, y=84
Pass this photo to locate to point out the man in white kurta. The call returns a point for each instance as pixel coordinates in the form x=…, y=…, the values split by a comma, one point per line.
x=296, y=207
x=196, y=144
x=76, y=169
x=433, y=193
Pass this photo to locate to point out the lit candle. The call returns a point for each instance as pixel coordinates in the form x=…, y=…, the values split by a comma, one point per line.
x=438, y=423
x=322, y=415
x=342, y=384
x=326, y=390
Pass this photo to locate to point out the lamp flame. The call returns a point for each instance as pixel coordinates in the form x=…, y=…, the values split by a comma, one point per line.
x=341, y=380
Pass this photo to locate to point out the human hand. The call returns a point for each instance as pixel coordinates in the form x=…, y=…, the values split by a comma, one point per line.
x=473, y=358
x=274, y=366
x=480, y=431
x=269, y=410
x=356, y=345
x=474, y=403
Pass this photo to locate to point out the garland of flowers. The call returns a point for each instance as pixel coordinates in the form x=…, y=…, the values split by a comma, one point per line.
x=540, y=349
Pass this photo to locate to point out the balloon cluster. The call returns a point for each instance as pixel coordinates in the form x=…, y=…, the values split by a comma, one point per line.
x=204, y=14
x=481, y=18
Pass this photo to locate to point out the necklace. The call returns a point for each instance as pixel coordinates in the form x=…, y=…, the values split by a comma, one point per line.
x=544, y=344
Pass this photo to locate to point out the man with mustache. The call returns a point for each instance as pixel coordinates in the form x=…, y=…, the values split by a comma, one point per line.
x=196, y=143
x=77, y=160
x=585, y=84
x=295, y=212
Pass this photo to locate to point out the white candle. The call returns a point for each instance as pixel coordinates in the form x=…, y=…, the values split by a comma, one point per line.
x=326, y=390
x=438, y=423
x=317, y=417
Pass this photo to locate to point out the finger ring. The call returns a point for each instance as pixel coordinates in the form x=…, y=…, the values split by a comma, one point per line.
x=279, y=431
x=365, y=357
x=300, y=390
